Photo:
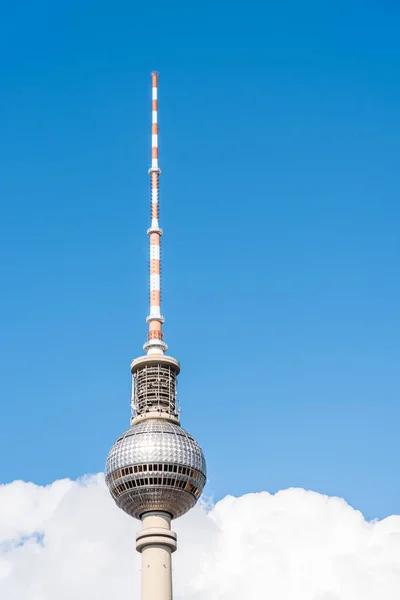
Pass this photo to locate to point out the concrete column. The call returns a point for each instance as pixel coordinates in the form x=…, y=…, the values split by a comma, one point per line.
x=156, y=542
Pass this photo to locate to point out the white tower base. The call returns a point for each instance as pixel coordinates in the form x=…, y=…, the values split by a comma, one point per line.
x=156, y=542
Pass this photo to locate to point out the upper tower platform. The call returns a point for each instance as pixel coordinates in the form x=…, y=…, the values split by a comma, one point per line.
x=154, y=388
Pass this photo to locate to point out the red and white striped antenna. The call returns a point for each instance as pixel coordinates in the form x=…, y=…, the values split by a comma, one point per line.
x=155, y=343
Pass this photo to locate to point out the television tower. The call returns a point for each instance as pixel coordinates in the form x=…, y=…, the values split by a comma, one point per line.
x=156, y=470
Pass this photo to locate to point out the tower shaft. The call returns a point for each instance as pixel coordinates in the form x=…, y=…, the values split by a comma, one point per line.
x=156, y=542
x=155, y=343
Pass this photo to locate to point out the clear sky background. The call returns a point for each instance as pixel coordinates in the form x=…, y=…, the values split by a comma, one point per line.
x=279, y=144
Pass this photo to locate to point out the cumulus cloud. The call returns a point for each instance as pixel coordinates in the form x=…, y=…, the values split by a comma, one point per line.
x=68, y=540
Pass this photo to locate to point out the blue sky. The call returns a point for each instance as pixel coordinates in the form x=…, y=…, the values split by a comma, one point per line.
x=279, y=144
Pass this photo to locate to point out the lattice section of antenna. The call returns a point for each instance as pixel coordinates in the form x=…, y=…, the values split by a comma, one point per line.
x=154, y=390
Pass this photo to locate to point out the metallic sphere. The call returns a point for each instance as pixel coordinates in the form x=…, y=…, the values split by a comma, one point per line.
x=156, y=465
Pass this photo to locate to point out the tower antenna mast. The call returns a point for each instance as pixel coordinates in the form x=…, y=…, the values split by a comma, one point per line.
x=155, y=343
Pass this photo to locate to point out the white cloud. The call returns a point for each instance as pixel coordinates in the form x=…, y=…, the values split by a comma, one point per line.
x=68, y=540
